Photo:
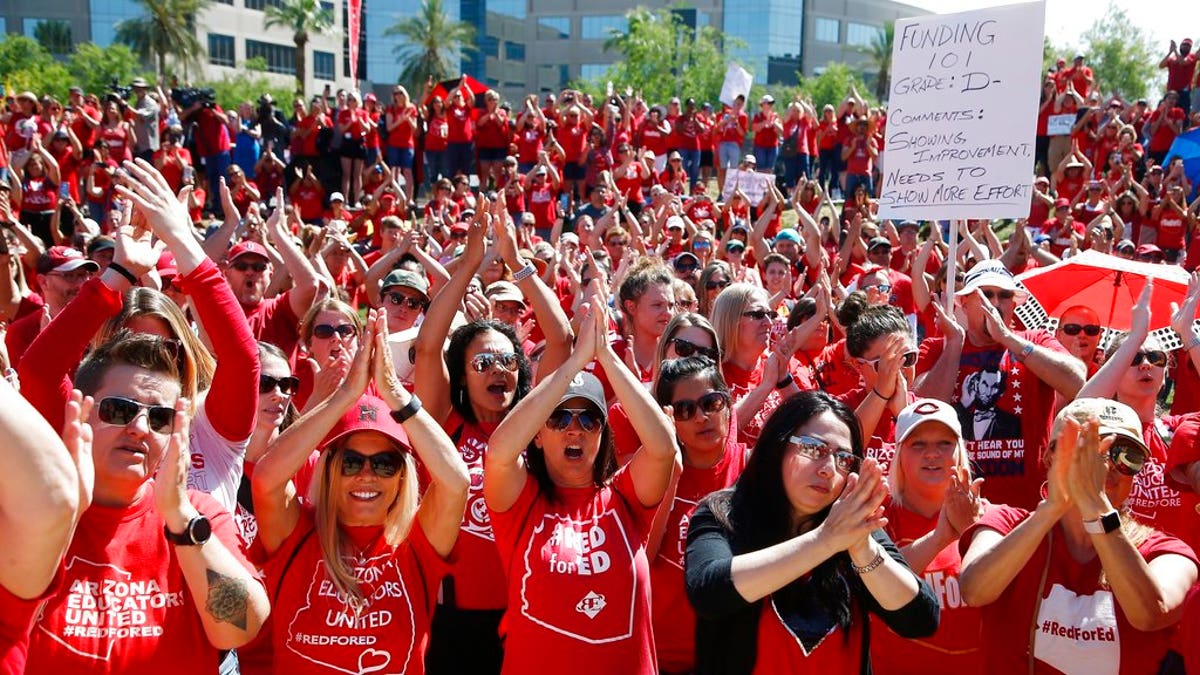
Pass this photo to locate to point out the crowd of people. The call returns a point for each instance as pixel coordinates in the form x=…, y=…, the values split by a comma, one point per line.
x=449, y=385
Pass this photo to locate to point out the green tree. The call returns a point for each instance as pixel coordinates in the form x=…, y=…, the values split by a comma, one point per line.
x=304, y=18
x=662, y=57
x=54, y=35
x=1120, y=55
x=166, y=29
x=880, y=54
x=25, y=65
x=94, y=68
x=833, y=84
x=241, y=87
x=433, y=44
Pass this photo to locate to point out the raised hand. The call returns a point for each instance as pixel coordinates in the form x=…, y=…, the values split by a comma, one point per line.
x=1139, y=320
x=963, y=506
x=156, y=203
x=1182, y=317
x=170, y=482
x=383, y=371
x=858, y=511
x=77, y=436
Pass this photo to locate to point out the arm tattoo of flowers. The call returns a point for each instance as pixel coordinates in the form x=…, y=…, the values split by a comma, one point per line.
x=227, y=599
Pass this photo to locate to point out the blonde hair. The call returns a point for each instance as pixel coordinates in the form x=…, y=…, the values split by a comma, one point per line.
x=334, y=546
x=727, y=312
x=677, y=322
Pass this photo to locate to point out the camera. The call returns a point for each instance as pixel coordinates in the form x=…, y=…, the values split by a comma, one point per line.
x=189, y=96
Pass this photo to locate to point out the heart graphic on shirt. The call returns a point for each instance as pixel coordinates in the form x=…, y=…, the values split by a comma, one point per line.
x=373, y=661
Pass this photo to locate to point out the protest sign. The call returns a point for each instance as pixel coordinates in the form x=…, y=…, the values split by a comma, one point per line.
x=737, y=82
x=963, y=114
x=753, y=184
x=1060, y=125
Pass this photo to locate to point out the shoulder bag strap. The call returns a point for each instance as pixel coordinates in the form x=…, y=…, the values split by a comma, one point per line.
x=1037, y=605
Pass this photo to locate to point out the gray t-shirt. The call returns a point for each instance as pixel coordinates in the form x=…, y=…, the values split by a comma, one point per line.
x=145, y=127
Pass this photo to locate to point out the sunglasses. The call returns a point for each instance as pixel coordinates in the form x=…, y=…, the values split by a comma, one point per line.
x=1091, y=329
x=684, y=349
x=710, y=404
x=407, y=301
x=324, y=331
x=287, y=385
x=817, y=450
x=1003, y=295
x=882, y=288
x=686, y=267
x=1127, y=458
x=1154, y=357
x=256, y=266
x=384, y=464
x=760, y=314
x=908, y=361
x=481, y=363
x=714, y=284
x=561, y=418
x=120, y=411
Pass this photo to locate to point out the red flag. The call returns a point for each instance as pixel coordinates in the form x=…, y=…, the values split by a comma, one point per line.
x=354, y=7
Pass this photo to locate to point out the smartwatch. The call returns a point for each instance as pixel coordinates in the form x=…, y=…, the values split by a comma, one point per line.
x=198, y=531
x=1107, y=522
x=411, y=408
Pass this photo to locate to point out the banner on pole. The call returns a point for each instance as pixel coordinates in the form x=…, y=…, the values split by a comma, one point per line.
x=353, y=21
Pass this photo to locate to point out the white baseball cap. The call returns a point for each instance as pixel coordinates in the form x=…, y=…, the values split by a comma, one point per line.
x=925, y=410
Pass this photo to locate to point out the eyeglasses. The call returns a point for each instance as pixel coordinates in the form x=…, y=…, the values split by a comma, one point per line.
x=760, y=314
x=882, y=288
x=817, y=450
x=561, y=418
x=1003, y=295
x=120, y=411
x=1091, y=329
x=686, y=267
x=256, y=266
x=76, y=276
x=324, y=331
x=1154, y=357
x=716, y=284
x=908, y=361
x=407, y=301
x=383, y=464
x=710, y=404
x=685, y=349
x=481, y=363
x=1127, y=458
x=287, y=385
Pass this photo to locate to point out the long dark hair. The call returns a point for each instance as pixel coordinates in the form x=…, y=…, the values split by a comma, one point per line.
x=672, y=371
x=603, y=469
x=758, y=514
x=456, y=364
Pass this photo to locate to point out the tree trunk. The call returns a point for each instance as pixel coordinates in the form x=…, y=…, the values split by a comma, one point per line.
x=881, y=86
x=162, y=63
x=301, y=76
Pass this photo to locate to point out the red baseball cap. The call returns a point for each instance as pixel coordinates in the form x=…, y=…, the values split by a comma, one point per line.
x=248, y=248
x=166, y=265
x=64, y=259
x=369, y=413
x=460, y=228
x=1061, y=202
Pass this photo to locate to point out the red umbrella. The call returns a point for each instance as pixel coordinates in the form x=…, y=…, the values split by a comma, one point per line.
x=1107, y=284
x=444, y=88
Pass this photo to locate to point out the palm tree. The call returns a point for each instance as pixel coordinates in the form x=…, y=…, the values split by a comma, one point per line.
x=166, y=28
x=880, y=53
x=432, y=40
x=55, y=36
x=304, y=18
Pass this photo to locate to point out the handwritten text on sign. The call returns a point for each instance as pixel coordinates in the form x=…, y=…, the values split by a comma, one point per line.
x=963, y=114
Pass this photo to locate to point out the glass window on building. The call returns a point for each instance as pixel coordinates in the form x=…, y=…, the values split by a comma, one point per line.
x=592, y=71
x=514, y=8
x=514, y=51
x=260, y=4
x=323, y=65
x=280, y=58
x=220, y=50
x=827, y=30
x=860, y=35
x=602, y=27
x=554, y=28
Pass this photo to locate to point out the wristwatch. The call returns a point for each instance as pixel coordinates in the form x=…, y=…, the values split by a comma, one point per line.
x=198, y=531
x=1107, y=522
x=411, y=408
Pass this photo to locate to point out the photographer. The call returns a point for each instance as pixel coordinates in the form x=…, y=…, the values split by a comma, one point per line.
x=211, y=135
x=272, y=124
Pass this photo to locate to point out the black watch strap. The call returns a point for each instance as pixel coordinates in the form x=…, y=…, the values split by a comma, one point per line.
x=404, y=414
x=198, y=531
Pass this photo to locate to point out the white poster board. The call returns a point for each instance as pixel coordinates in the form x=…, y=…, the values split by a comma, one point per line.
x=753, y=184
x=1060, y=125
x=737, y=82
x=963, y=114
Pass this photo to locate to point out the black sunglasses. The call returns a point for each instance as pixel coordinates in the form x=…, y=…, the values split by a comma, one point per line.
x=287, y=385
x=120, y=411
x=561, y=418
x=481, y=363
x=715, y=284
x=685, y=348
x=383, y=464
x=256, y=266
x=402, y=299
x=1003, y=295
x=1091, y=329
x=1127, y=458
x=710, y=404
x=760, y=314
x=1154, y=357
x=324, y=331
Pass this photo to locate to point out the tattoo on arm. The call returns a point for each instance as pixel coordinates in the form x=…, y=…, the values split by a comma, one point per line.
x=227, y=599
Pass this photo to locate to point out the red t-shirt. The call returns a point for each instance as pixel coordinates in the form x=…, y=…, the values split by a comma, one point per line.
x=859, y=162
x=123, y=606
x=212, y=133
x=653, y=139
x=1069, y=186
x=733, y=129
x=402, y=135
x=38, y=194
x=492, y=132
x=85, y=132
x=1005, y=435
x=741, y=382
x=172, y=171
x=273, y=320
x=541, y=202
x=308, y=144
x=529, y=144
x=354, y=123
x=1071, y=634
x=830, y=369
x=955, y=648
x=767, y=136
x=314, y=629
x=438, y=135
x=631, y=182
x=578, y=581
x=460, y=123
x=16, y=619
x=781, y=652
x=1157, y=499
x=1165, y=135
x=673, y=617
x=1180, y=70
x=1187, y=386
x=1171, y=227
x=573, y=139
x=477, y=575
